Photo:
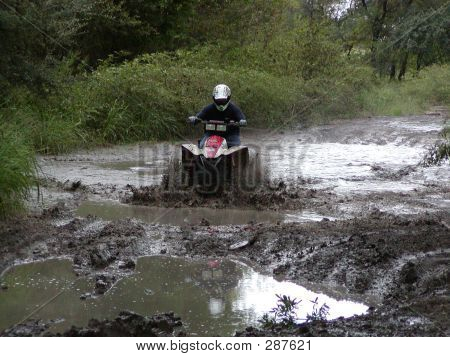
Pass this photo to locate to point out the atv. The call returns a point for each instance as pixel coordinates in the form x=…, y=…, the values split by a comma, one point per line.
x=210, y=168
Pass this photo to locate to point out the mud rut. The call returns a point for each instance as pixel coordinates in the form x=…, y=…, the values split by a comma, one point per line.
x=385, y=241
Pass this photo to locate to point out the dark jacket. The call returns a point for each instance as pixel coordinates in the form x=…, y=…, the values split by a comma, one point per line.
x=210, y=112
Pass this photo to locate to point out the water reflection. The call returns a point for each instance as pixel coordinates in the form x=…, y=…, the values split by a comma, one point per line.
x=213, y=297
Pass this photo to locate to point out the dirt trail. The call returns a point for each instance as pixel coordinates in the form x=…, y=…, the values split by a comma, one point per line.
x=386, y=241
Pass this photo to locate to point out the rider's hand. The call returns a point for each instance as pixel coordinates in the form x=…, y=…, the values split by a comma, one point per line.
x=193, y=120
x=242, y=122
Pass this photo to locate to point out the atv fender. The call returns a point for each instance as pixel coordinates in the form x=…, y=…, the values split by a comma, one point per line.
x=190, y=150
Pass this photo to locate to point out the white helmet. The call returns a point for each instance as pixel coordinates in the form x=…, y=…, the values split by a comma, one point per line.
x=221, y=96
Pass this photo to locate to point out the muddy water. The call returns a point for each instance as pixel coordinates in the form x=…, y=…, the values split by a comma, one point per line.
x=176, y=216
x=111, y=210
x=340, y=156
x=214, y=297
x=347, y=156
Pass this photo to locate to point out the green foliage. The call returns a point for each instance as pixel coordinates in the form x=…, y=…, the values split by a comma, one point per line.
x=439, y=153
x=237, y=23
x=150, y=97
x=423, y=35
x=411, y=96
x=17, y=170
x=41, y=122
x=37, y=35
x=398, y=36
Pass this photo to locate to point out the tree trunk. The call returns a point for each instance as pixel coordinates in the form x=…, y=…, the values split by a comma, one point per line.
x=392, y=71
x=403, y=64
x=419, y=61
x=377, y=27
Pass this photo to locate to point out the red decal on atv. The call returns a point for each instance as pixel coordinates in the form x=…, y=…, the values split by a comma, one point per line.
x=213, y=143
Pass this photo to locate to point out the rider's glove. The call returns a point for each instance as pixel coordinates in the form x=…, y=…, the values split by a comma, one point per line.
x=193, y=120
x=242, y=122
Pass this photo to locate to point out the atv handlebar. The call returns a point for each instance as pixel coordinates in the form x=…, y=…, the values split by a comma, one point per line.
x=195, y=120
x=230, y=123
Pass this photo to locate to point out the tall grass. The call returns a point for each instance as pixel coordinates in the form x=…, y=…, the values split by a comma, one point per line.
x=17, y=170
x=149, y=98
x=42, y=122
x=412, y=96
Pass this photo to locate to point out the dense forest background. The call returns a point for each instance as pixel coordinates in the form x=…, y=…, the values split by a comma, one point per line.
x=76, y=73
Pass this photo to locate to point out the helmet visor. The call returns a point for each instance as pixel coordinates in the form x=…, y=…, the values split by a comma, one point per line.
x=221, y=101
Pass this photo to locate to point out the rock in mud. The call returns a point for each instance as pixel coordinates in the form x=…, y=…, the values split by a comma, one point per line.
x=127, y=264
x=85, y=296
x=55, y=211
x=79, y=260
x=239, y=245
x=101, y=257
x=245, y=243
x=408, y=274
x=71, y=185
x=26, y=329
x=103, y=283
x=281, y=269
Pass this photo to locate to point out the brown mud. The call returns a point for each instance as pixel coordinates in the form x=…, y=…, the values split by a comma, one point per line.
x=389, y=246
x=126, y=324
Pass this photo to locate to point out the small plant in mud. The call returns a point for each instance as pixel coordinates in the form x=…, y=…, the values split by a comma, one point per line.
x=440, y=152
x=284, y=315
x=318, y=313
x=437, y=154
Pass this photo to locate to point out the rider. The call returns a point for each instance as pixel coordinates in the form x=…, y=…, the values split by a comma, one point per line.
x=222, y=110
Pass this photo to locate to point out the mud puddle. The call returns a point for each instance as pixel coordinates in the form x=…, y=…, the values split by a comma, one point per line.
x=112, y=210
x=213, y=297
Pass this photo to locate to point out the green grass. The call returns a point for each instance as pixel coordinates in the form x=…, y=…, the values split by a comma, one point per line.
x=411, y=96
x=17, y=171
